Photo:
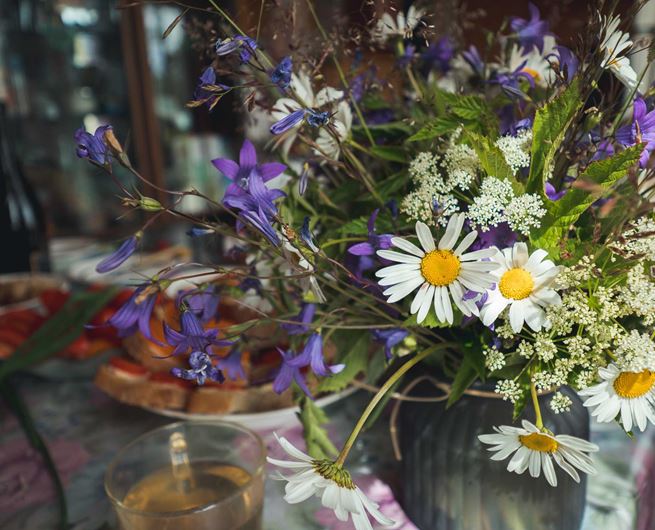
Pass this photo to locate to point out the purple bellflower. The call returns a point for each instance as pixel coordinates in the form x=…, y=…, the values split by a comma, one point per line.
x=245, y=45
x=567, y=61
x=289, y=373
x=531, y=32
x=439, y=54
x=312, y=355
x=192, y=336
x=366, y=250
x=135, y=313
x=390, y=338
x=261, y=221
x=120, y=255
x=200, y=369
x=303, y=319
x=472, y=57
x=315, y=118
x=202, y=94
x=203, y=303
x=232, y=366
x=307, y=236
x=281, y=75
x=92, y=146
x=641, y=130
x=510, y=81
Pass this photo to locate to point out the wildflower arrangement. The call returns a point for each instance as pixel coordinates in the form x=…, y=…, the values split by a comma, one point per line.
x=489, y=212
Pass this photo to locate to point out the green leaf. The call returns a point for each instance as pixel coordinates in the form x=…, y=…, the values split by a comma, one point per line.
x=464, y=378
x=550, y=125
x=389, y=152
x=521, y=401
x=312, y=418
x=59, y=331
x=435, y=128
x=563, y=213
x=355, y=360
x=19, y=409
x=493, y=160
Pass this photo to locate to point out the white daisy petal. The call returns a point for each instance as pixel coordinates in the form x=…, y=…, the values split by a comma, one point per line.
x=405, y=245
x=418, y=298
x=448, y=308
x=401, y=290
x=396, y=269
x=520, y=254
x=454, y=228
x=425, y=236
x=392, y=255
x=399, y=278
x=465, y=243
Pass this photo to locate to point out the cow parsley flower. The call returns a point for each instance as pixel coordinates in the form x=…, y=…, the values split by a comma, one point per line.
x=560, y=403
x=516, y=149
x=509, y=390
x=635, y=352
x=524, y=213
x=535, y=450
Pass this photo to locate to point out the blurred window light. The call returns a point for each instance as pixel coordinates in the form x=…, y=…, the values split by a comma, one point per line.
x=78, y=16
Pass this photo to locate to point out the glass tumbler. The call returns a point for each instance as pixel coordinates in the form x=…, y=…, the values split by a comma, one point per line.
x=189, y=476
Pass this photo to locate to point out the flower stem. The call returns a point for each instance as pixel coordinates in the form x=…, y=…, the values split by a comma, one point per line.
x=539, y=422
x=380, y=394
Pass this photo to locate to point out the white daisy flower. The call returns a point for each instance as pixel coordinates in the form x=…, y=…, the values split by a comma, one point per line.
x=524, y=284
x=628, y=394
x=301, y=85
x=438, y=272
x=614, y=45
x=401, y=26
x=324, y=479
x=535, y=450
x=533, y=62
x=342, y=121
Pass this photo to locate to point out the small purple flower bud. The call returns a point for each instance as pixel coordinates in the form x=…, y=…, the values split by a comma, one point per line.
x=304, y=177
x=288, y=122
x=316, y=118
x=281, y=75
x=118, y=257
x=307, y=237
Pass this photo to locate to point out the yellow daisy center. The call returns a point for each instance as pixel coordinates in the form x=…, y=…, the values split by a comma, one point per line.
x=532, y=72
x=516, y=283
x=440, y=267
x=632, y=385
x=539, y=442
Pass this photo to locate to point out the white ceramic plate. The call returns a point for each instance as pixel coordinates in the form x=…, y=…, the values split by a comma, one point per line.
x=273, y=419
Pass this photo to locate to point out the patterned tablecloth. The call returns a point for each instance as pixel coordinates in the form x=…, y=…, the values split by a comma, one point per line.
x=84, y=429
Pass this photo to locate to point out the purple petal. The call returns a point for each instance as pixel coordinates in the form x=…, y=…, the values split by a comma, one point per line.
x=362, y=249
x=247, y=155
x=271, y=170
x=229, y=168
x=118, y=257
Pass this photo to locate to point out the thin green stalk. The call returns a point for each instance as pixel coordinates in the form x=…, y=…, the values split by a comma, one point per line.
x=539, y=422
x=340, y=72
x=378, y=397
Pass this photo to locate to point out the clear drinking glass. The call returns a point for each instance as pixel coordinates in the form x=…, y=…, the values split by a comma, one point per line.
x=189, y=476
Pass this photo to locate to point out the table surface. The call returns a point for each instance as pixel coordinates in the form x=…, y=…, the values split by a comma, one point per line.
x=84, y=429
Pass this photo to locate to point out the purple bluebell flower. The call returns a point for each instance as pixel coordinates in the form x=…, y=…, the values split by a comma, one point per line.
x=472, y=57
x=118, y=257
x=245, y=45
x=408, y=56
x=192, y=336
x=365, y=251
x=136, y=312
x=92, y=146
x=281, y=75
x=392, y=204
x=439, y=54
x=604, y=150
x=239, y=172
x=312, y=355
x=232, y=366
x=531, y=32
x=641, y=130
x=201, y=94
x=510, y=81
x=567, y=61
x=251, y=283
x=317, y=118
x=390, y=338
x=508, y=122
x=307, y=236
x=202, y=302
x=200, y=369
x=289, y=373
x=501, y=236
x=261, y=222
x=552, y=193
x=303, y=319
x=288, y=122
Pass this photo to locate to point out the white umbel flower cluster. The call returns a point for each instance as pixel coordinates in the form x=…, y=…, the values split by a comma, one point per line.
x=497, y=203
x=560, y=403
x=639, y=239
x=635, y=352
x=516, y=149
x=509, y=389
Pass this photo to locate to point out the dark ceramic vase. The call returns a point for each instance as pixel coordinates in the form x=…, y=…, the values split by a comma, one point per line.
x=450, y=483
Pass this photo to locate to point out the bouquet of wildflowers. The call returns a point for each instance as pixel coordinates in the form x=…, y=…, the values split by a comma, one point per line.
x=487, y=211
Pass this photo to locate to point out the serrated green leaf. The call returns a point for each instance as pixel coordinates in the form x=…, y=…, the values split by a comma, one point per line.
x=563, y=213
x=493, y=160
x=550, y=125
x=312, y=418
x=355, y=360
x=389, y=152
x=435, y=128
x=470, y=107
